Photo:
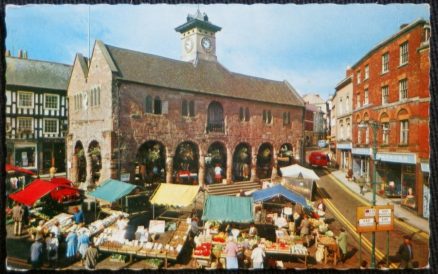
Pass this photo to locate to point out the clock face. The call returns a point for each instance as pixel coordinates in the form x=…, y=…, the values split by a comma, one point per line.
x=188, y=45
x=206, y=43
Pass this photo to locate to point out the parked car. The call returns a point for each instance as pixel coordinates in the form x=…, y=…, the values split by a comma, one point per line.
x=320, y=159
x=322, y=143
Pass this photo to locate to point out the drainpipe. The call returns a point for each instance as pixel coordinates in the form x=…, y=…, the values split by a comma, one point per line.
x=119, y=153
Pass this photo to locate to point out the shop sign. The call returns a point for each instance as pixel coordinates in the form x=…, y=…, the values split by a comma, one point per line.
x=156, y=226
x=361, y=151
x=124, y=177
x=344, y=146
x=403, y=158
x=425, y=167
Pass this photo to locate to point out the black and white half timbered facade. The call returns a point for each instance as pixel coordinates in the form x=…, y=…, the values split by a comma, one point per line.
x=36, y=113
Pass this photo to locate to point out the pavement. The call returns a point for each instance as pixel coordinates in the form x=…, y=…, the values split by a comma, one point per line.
x=401, y=213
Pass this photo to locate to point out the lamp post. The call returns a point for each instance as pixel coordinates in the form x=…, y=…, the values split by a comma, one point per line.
x=374, y=126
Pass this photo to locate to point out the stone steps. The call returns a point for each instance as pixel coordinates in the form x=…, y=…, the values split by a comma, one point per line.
x=232, y=189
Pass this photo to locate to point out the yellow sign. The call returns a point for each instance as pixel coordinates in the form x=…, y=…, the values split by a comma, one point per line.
x=377, y=218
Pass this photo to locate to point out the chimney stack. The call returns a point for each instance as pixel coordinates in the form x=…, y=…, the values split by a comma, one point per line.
x=402, y=26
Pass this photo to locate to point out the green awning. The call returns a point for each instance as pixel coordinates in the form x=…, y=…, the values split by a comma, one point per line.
x=112, y=190
x=228, y=209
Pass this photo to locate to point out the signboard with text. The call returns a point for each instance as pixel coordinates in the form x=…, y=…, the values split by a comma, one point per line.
x=377, y=218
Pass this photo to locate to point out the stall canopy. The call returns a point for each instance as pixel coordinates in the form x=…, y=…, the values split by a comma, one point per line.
x=112, y=190
x=11, y=168
x=33, y=192
x=228, y=209
x=278, y=190
x=174, y=195
x=297, y=171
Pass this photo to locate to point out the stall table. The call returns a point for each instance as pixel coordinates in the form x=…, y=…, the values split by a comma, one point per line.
x=330, y=247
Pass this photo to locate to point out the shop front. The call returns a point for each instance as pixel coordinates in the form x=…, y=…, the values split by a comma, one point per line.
x=344, y=156
x=361, y=162
x=396, y=174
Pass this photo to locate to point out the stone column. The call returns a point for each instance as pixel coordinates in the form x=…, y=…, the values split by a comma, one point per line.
x=201, y=172
x=229, y=166
x=254, y=165
x=74, y=169
x=89, y=180
x=274, y=173
x=169, y=169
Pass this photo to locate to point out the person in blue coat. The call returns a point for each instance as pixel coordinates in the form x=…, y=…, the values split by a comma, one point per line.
x=72, y=244
x=83, y=242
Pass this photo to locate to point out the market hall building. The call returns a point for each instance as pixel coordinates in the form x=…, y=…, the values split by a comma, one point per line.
x=137, y=116
x=391, y=87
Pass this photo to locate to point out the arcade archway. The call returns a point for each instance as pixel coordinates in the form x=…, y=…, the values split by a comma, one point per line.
x=265, y=161
x=186, y=162
x=96, y=160
x=151, y=159
x=285, y=156
x=216, y=163
x=242, y=163
x=81, y=166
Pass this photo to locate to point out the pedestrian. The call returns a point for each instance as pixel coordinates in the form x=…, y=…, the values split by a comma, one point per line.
x=305, y=229
x=320, y=206
x=36, y=253
x=52, y=172
x=72, y=244
x=90, y=258
x=231, y=250
x=361, y=182
x=17, y=216
x=405, y=253
x=341, y=240
x=78, y=216
x=52, y=245
x=363, y=264
x=258, y=257
x=83, y=242
x=252, y=233
x=218, y=173
x=25, y=215
x=56, y=230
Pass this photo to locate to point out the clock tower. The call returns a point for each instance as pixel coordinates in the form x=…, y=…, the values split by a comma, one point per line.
x=198, y=38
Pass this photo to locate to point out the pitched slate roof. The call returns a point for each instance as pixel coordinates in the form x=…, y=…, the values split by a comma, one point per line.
x=38, y=74
x=206, y=77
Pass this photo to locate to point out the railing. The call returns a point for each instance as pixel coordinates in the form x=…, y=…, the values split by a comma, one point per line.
x=215, y=127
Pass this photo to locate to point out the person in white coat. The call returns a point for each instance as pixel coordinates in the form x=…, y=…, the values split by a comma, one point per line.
x=258, y=256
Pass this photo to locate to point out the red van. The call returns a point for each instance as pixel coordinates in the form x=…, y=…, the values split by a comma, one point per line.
x=319, y=159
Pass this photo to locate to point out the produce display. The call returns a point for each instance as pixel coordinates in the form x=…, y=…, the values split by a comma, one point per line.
x=65, y=222
x=203, y=250
x=220, y=238
x=299, y=249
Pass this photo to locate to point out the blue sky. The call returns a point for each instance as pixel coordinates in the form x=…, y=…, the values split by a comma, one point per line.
x=308, y=45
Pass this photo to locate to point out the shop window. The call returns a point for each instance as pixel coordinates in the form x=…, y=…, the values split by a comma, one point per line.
x=25, y=156
x=149, y=104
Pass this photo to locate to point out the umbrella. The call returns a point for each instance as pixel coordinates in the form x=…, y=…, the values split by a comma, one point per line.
x=11, y=168
x=297, y=171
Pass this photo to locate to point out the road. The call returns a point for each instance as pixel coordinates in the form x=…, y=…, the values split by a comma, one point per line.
x=343, y=203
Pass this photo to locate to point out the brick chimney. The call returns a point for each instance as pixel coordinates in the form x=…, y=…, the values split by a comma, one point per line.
x=402, y=26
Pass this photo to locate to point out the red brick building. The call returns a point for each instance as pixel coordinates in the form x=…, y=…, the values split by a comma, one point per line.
x=391, y=87
x=137, y=115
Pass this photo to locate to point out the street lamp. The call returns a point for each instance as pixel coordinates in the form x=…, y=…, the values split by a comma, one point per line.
x=375, y=126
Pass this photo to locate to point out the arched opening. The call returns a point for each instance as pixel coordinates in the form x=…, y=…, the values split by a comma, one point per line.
x=285, y=156
x=242, y=163
x=186, y=163
x=151, y=159
x=215, y=118
x=264, y=161
x=216, y=163
x=96, y=160
x=81, y=167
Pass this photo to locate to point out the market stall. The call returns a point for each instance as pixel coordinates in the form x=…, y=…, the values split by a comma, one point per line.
x=112, y=191
x=175, y=196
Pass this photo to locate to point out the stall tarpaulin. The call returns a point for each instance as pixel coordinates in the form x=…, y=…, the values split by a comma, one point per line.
x=33, y=192
x=295, y=171
x=112, y=190
x=277, y=190
x=174, y=195
x=228, y=209
x=11, y=168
